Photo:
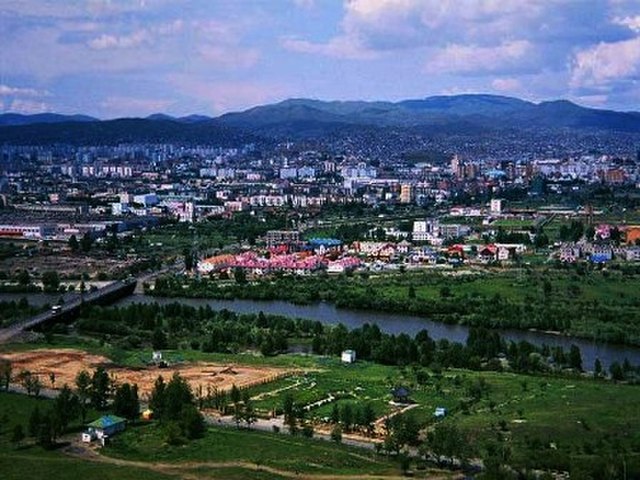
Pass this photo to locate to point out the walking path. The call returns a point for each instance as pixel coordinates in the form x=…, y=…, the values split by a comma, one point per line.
x=193, y=470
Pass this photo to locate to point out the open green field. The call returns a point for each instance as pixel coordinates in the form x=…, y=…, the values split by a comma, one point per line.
x=284, y=452
x=361, y=382
x=141, y=453
x=546, y=421
x=28, y=461
x=513, y=224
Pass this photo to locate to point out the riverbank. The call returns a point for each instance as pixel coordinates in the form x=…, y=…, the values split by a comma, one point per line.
x=600, y=306
x=399, y=323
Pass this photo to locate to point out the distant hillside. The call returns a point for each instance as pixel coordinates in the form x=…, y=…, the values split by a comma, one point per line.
x=465, y=113
x=20, y=119
x=130, y=130
x=300, y=118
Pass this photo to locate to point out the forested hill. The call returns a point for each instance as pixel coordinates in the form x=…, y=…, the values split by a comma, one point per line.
x=133, y=130
x=304, y=118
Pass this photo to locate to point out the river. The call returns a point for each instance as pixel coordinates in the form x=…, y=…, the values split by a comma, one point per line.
x=396, y=323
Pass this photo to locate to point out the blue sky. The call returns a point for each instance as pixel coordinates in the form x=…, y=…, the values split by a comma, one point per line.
x=113, y=58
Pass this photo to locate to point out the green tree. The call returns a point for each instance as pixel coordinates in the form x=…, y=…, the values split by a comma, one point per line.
x=240, y=276
x=100, y=386
x=289, y=411
x=159, y=339
x=51, y=281
x=249, y=414
x=335, y=414
x=17, y=435
x=174, y=404
x=347, y=417
x=83, y=391
x=126, y=402
x=156, y=399
x=597, y=368
x=368, y=418
x=86, y=242
x=447, y=441
x=616, y=371
x=188, y=259
x=73, y=243
x=176, y=395
x=173, y=434
x=575, y=358
x=65, y=407
x=46, y=431
x=192, y=422
x=24, y=278
x=336, y=434
x=34, y=422
x=5, y=373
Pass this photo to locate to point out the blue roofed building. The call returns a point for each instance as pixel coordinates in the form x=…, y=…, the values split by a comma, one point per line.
x=104, y=427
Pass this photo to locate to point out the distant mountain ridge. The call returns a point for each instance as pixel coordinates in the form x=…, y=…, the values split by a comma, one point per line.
x=125, y=130
x=13, y=119
x=481, y=111
x=467, y=114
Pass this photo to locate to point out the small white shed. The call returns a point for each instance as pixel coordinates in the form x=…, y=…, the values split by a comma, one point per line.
x=440, y=412
x=348, y=356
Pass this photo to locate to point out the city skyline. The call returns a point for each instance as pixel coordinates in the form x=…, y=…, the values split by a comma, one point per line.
x=133, y=58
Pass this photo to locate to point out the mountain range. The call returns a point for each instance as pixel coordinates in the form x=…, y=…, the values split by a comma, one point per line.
x=467, y=114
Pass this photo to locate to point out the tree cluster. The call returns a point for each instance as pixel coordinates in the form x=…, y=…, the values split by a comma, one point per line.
x=173, y=404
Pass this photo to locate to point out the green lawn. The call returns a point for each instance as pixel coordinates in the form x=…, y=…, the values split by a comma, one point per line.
x=28, y=461
x=38, y=464
x=259, y=448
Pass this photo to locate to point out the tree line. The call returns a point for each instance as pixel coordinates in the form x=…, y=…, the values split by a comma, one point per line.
x=182, y=326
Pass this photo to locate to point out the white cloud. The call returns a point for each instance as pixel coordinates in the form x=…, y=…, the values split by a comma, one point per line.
x=27, y=106
x=226, y=56
x=344, y=47
x=633, y=23
x=507, y=85
x=117, y=106
x=304, y=3
x=8, y=91
x=136, y=38
x=224, y=96
x=391, y=24
x=106, y=41
x=472, y=59
x=75, y=8
x=606, y=63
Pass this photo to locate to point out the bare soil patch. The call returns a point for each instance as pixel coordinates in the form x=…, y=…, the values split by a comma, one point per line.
x=66, y=363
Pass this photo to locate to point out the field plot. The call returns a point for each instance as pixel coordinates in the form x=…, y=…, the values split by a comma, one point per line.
x=66, y=363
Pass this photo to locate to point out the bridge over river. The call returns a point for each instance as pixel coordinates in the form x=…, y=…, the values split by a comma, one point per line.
x=107, y=294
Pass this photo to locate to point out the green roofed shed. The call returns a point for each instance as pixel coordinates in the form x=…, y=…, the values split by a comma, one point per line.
x=104, y=426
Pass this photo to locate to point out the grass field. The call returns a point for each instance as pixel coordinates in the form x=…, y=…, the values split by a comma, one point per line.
x=284, y=452
x=141, y=453
x=564, y=418
x=32, y=462
x=547, y=421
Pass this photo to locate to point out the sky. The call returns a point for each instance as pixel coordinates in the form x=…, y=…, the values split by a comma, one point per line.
x=116, y=58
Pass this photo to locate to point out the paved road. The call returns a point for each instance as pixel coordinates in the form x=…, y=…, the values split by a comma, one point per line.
x=15, y=329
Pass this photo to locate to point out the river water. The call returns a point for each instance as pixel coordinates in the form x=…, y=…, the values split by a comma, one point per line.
x=396, y=323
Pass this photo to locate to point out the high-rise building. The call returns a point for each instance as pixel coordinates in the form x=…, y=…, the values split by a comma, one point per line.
x=406, y=193
x=457, y=166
